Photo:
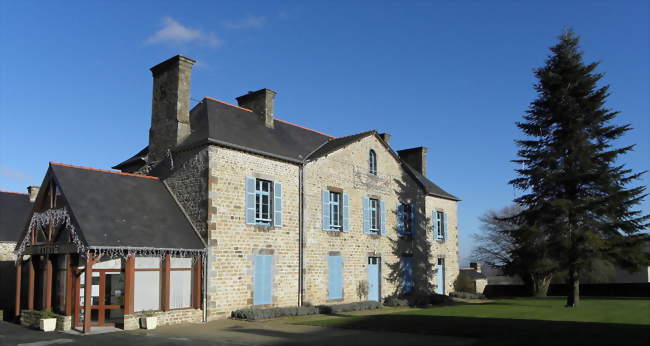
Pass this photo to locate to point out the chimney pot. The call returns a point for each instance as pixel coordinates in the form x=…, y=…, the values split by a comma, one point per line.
x=385, y=137
x=170, y=109
x=33, y=192
x=261, y=102
x=416, y=158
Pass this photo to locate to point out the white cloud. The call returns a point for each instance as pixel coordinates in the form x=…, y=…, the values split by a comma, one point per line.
x=249, y=22
x=176, y=33
x=15, y=175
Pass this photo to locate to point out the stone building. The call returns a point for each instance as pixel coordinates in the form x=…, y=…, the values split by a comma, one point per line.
x=290, y=215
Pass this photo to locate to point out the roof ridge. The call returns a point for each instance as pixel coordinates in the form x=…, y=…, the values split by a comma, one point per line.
x=303, y=127
x=15, y=193
x=227, y=104
x=104, y=170
x=356, y=134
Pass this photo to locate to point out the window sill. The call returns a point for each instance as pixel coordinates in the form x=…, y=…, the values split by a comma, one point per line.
x=334, y=300
x=440, y=240
x=405, y=236
x=261, y=227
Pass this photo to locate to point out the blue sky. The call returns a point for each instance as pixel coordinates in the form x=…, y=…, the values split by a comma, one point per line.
x=452, y=76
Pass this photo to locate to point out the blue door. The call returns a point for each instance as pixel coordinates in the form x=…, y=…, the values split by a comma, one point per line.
x=440, y=276
x=335, y=277
x=263, y=280
x=373, y=278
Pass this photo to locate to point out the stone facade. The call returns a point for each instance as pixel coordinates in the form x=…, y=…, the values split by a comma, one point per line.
x=31, y=318
x=7, y=251
x=233, y=244
x=165, y=318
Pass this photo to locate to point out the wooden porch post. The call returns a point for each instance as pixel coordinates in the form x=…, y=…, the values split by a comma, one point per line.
x=30, y=286
x=129, y=280
x=47, y=305
x=69, y=291
x=19, y=272
x=88, y=291
x=166, y=282
x=197, y=284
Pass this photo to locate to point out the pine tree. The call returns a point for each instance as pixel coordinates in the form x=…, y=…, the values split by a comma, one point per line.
x=575, y=191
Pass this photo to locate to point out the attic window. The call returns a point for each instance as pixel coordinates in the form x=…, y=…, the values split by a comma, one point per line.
x=372, y=160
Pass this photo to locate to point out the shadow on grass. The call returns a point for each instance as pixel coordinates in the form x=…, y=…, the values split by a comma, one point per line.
x=499, y=331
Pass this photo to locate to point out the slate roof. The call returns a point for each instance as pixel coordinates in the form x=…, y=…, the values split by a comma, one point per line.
x=473, y=274
x=232, y=126
x=119, y=209
x=14, y=211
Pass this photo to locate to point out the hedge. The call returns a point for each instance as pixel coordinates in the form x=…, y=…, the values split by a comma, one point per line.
x=268, y=313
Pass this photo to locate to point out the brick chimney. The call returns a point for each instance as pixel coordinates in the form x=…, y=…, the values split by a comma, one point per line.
x=261, y=102
x=33, y=192
x=170, y=109
x=416, y=158
x=385, y=137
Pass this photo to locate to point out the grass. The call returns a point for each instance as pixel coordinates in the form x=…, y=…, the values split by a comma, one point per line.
x=527, y=321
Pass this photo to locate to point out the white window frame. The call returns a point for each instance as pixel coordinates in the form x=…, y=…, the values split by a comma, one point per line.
x=260, y=194
x=336, y=211
x=441, y=225
x=375, y=215
x=407, y=218
x=372, y=162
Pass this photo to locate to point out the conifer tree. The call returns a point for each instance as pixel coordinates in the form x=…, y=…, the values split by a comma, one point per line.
x=576, y=193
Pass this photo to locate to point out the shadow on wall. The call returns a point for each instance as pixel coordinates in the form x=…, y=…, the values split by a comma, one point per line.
x=7, y=288
x=417, y=246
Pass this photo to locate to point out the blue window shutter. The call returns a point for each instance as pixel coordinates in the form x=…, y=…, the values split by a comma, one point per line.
x=263, y=280
x=407, y=274
x=326, y=210
x=335, y=277
x=434, y=221
x=277, y=204
x=445, y=229
x=382, y=220
x=414, y=222
x=400, y=218
x=366, y=215
x=250, y=201
x=346, y=212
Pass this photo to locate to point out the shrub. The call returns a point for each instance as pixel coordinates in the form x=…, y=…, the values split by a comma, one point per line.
x=45, y=314
x=262, y=314
x=467, y=295
x=395, y=301
x=357, y=306
x=464, y=283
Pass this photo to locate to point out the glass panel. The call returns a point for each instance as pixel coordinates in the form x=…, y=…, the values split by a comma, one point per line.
x=181, y=262
x=109, y=264
x=147, y=291
x=113, y=316
x=147, y=263
x=180, y=287
x=94, y=290
x=114, y=289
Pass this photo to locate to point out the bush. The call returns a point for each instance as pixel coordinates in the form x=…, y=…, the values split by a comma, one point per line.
x=262, y=314
x=467, y=295
x=464, y=283
x=395, y=301
x=357, y=306
x=418, y=299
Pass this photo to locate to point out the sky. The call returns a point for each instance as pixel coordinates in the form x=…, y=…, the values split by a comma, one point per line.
x=453, y=76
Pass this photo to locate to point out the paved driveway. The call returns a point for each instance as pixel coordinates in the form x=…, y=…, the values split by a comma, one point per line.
x=224, y=332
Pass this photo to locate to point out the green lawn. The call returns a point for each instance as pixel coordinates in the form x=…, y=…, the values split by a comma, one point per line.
x=518, y=321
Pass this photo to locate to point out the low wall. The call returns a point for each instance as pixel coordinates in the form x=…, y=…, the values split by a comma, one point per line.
x=165, y=318
x=641, y=289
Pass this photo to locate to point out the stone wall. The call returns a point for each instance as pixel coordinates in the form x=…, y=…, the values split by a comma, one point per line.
x=31, y=318
x=8, y=276
x=7, y=251
x=165, y=318
x=347, y=169
x=233, y=244
x=448, y=249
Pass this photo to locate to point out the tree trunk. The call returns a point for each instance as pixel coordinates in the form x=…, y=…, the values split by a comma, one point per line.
x=540, y=283
x=574, y=288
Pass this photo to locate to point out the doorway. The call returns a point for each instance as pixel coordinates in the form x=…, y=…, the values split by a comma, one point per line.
x=440, y=276
x=374, y=281
x=107, y=297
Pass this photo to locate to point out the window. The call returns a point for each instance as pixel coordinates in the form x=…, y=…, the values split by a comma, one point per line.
x=335, y=211
x=372, y=160
x=180, y=283
x=406, y=264
x=439, y=225
x=334, y=277
x=263, y=280
x=263, y=202
x=405, y=219
x=374, y=215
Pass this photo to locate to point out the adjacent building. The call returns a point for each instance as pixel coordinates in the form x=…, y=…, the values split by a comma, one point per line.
x=258, y=211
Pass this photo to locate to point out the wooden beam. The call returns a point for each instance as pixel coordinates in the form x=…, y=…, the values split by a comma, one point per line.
x=48, y=283
x=88, y=291
x=129, y=280
x=69, y=289
x=19, y=272
x=197, y=284
x=30, y=286
x=166, y=278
